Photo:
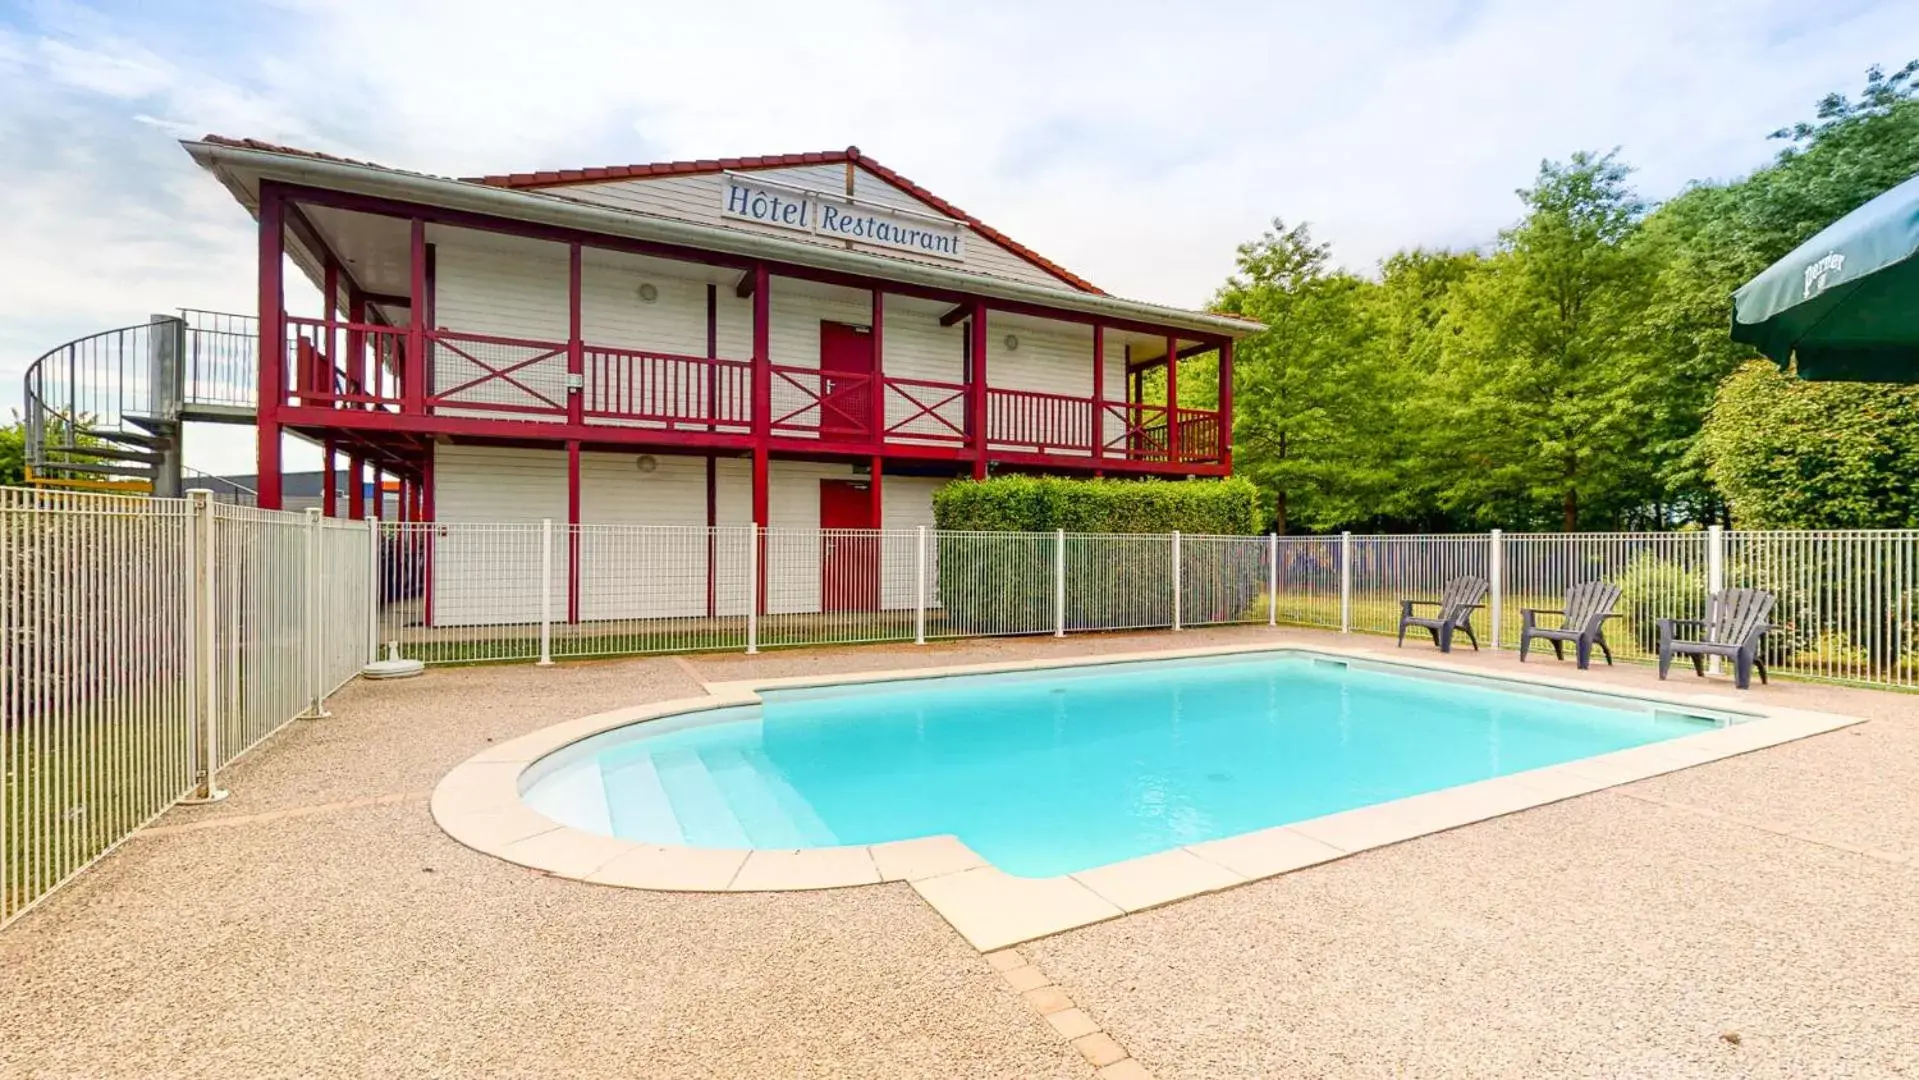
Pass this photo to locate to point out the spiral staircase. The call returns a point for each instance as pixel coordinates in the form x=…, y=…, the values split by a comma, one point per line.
x=108, y=411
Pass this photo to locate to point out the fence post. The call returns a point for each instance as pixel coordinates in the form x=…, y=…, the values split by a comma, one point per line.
x=377, y=586
x=315, y=641
x=1059, y=582
x=205, y=665
x=1345, y=583
x=919, y=588
x=1495, y=574
x=166, y=348
x=1272, y=579
x=753, y=590
x=1715, y=578
x=1176, y=625
x=546, y=592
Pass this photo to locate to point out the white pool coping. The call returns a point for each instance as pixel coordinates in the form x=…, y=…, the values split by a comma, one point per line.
x=479, y=804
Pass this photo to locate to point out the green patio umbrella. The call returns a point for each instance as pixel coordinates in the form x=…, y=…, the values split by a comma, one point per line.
x=1845, y=302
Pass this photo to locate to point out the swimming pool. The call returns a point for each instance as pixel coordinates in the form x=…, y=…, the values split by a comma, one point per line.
x=1056, y=771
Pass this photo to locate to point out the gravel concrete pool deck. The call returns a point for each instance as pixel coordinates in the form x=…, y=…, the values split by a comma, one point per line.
x=1752, y=917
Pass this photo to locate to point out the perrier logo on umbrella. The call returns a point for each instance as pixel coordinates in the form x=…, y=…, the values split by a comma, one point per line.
x=1820, y=272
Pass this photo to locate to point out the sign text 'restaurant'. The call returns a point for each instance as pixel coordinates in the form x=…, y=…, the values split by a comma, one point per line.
x=844, y=218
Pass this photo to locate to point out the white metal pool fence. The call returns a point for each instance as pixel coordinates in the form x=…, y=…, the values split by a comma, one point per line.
x=147, y=643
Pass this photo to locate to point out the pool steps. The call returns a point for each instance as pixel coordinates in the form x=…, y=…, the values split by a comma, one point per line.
x=732, y=798
x=641, y=808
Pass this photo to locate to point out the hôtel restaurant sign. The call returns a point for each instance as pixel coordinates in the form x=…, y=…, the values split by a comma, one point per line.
x=839, y=217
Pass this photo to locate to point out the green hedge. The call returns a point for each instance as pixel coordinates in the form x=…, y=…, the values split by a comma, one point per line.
x=1045, y=503
x=1006, y=585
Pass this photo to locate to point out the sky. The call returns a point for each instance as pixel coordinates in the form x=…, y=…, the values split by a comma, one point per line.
x=1134, y=142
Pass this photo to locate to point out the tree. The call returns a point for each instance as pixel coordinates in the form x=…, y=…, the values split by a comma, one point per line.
x=13, y=453
x=1304, y=390
x=1565, y=377
x=1547, y=381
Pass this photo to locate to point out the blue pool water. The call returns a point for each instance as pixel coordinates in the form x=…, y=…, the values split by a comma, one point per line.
x=1051, y=772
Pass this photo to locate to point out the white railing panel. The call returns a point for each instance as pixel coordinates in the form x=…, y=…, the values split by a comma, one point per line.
x=95, y=641
x=837, y=586
x=1118, y=582
x=1660, y=575
x=1388, y=569
x=259, y=584
x=651, y=589
x=1222, y=579
x=461, y=592
x=1308, y=576
x=986, y=584
x=1845, y=601
x=346, y=601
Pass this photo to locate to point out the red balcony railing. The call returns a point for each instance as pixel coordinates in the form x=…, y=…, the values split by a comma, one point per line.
x=346, y=365
x=833, y=404
x=495, y=374
x=920, y=410
x=1027, y=419
x=675, y=392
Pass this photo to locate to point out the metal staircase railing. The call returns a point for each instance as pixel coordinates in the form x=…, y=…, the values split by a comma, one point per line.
x=105, y=410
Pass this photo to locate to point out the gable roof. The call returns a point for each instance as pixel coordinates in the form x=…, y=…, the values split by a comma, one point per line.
x=564, y=177
x=241, y=163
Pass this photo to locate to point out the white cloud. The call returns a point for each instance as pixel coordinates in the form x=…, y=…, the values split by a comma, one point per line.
x=1136, y=142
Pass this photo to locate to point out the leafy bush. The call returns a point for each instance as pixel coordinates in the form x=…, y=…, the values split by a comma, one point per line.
x=1650, y=589
x=1045, y=503
x=1791, y=454
x=1006, y=584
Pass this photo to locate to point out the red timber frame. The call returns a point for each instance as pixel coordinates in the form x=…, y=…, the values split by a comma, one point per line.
x=390, y=430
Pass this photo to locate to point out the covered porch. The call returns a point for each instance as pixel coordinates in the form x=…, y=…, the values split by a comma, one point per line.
x=445, y=325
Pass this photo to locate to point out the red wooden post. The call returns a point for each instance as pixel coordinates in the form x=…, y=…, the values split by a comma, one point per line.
x=978, y=388
x=873, y=489
x=273, y=342
x=762, y=467
x=572, y=534
x=712, y=516
x=413, y=377
x=1099, y=391
x=762, y=391
x=712, y=369
x=426, y=486
x=1172, y=399
x=355, y=365
x=330, y=482
x=426, y=514
x=355, y=488
x=877, y=424
x=575, y=349
x=1226, y=404
x=323, y=381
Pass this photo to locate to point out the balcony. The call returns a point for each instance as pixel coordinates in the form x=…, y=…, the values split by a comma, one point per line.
x=358, y=371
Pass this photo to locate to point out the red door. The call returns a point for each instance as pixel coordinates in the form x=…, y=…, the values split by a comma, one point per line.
x=846, y=382
x=849, y=562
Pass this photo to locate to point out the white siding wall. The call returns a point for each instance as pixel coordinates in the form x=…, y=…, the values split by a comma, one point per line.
x=698, y=199
x=492, y=577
